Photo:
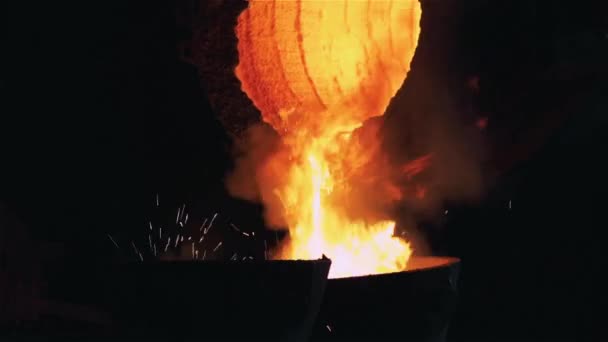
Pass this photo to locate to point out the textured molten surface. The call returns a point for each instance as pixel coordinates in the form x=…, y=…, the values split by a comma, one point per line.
x=304, y=57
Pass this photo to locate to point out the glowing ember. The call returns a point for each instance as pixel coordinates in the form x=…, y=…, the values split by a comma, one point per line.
x=317, y=70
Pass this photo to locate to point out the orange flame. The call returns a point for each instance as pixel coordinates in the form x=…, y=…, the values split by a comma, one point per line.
x=316, y=71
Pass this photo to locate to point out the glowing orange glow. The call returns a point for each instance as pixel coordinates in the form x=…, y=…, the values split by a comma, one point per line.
x=416, y=166
x=317, y=70
x=482, y=123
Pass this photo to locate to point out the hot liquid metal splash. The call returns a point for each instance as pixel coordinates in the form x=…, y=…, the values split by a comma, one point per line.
x=317, y=70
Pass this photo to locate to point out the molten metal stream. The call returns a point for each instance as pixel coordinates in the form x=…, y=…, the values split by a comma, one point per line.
x=317, y=70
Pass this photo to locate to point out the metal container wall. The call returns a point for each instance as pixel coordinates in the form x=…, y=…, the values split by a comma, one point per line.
x=415, y=305
x=213, y=301
x=188, y=301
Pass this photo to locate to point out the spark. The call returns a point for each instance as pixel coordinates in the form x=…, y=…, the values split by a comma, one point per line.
x=150, y=241
x=210, y=223
x=176, y=240
x=201, y=239
x=196, y=254
x=204, y=254
x=203, y=225
x=114, y=242
x=136, y=251
x=250, y=258
x=168, y=243
x=186, y=220
x=238, y=230
x=244, y=258
x=189, y=238
x=177, y=217
x=182, y=239
x=157, y=202
x=160, y=233
x=233, y=257
x=218, y=246
x=181, y=216
x=445, y=212
x=510, y=206
x=253, y=233
x=150, y=222
x=193, y=250
x=328, y=327
x=181, y=224
x=155, y=250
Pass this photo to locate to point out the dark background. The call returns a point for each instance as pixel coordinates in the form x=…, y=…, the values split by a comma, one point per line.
x=99, y=114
